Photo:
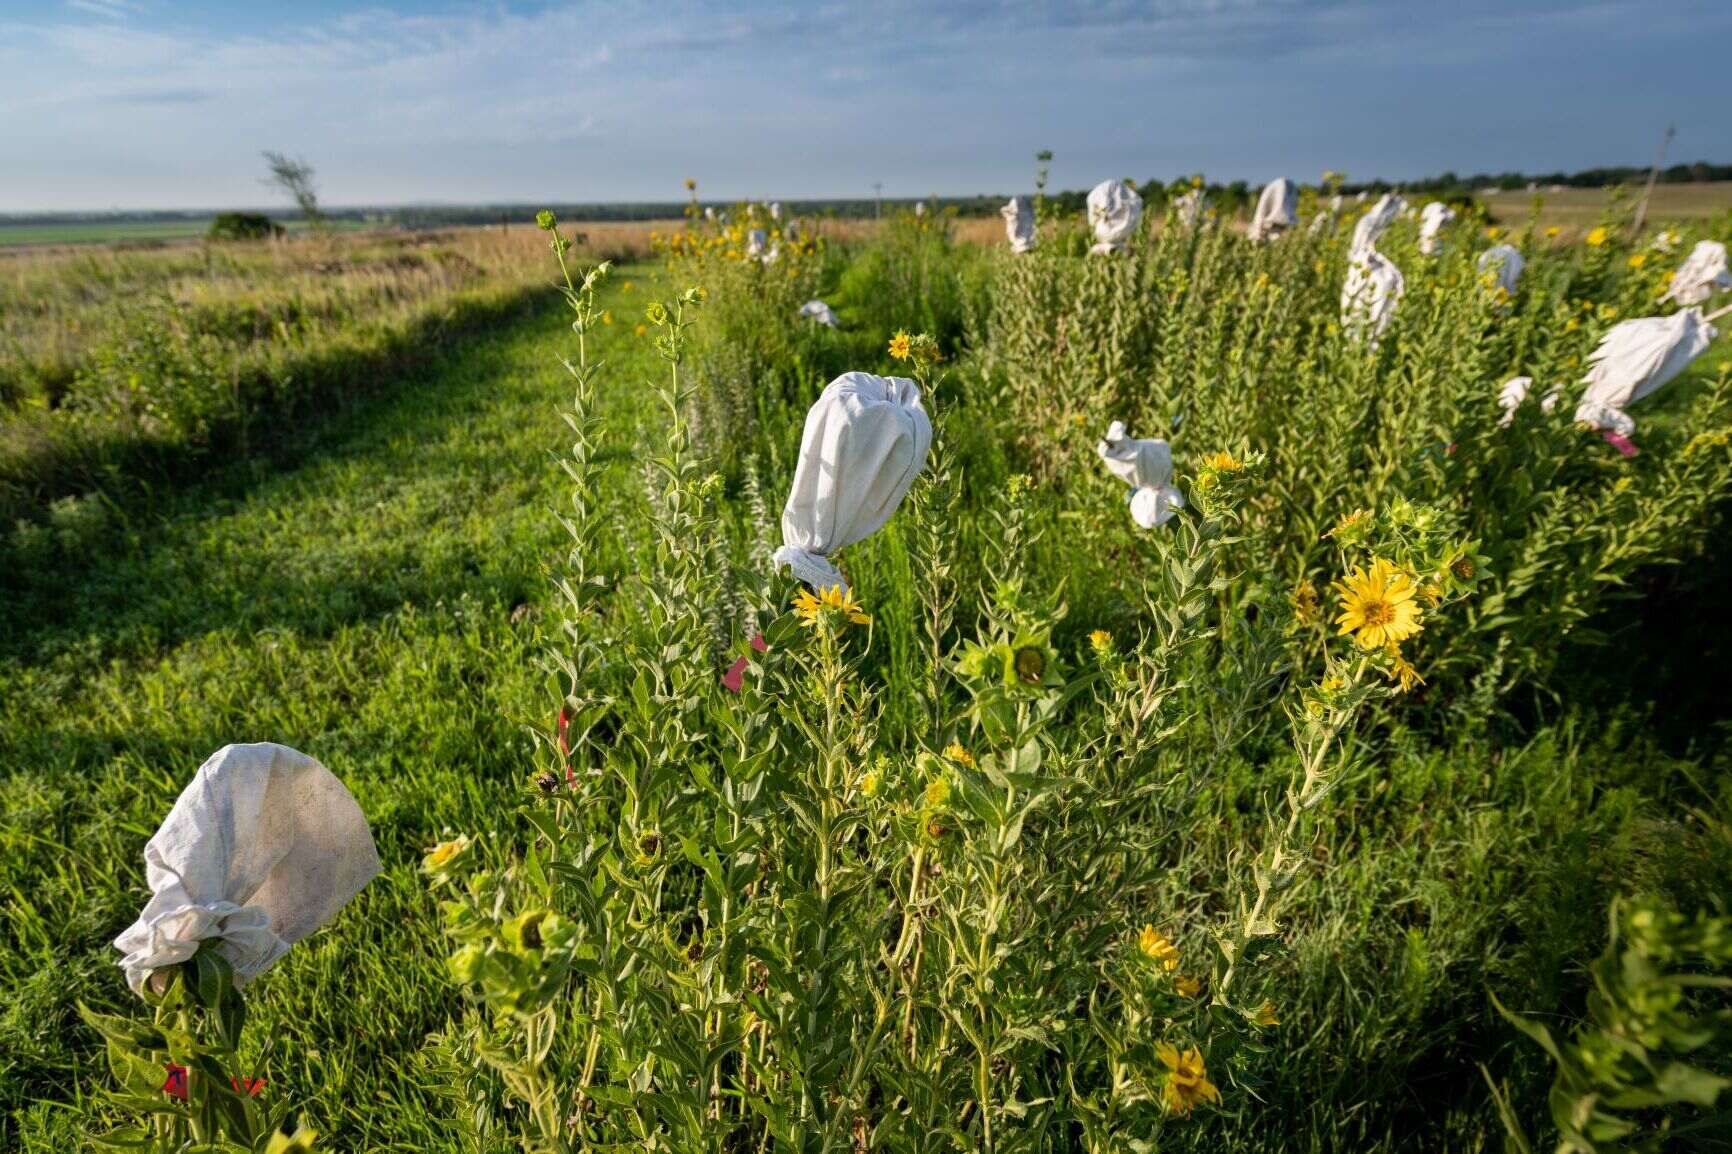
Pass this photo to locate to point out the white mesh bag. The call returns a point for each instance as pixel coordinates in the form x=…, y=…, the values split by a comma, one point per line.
x=1018, y=213
x=1505, y=262
x=1515, y=391
x=1376, y=222
x=1147, y=467
x=1190, y=208
x=865, y=441
x=1634, y=359
x=820, y=312
x=1277, y=209
x=1702, y=273
x=1114, y=209
x=1372, y=290
x=1432, y=220
x=263, y=847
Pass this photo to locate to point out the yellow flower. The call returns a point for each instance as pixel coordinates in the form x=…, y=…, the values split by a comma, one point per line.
x=1597, y=237
x=639, y=330
x=691, y=185
x=606, y=318
x=1304, y=602
x=1223, y=463
x=899, y=346
x=1186, y=986
x=811, y=610
x=1158, y=947
x=1350, y=524
x=1101, y=641
x=1377, y=605
x=937, y=792
x=961, y=756
x=1265, y=1015
x=1552, y=232
x=1638, y=260
x=1432, y=594
x=1187, y=1081
x=1404, y=671
x=626, y=287
x=870, y=784
x=1493, y=232
x=443, y=856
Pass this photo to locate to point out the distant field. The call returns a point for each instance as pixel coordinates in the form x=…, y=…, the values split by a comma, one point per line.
x=1580, y=207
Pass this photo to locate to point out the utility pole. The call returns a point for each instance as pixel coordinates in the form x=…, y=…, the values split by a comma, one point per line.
x=877, y=199
x=1654, y=175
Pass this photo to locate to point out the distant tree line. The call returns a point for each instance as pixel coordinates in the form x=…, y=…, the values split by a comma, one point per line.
x=295, y=178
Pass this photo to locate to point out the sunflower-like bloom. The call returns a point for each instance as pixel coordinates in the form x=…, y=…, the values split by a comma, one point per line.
x=1403, y=669
x=1159, y=948
x=1303, y=599
x=1223, y=463
x=1597, y=237
x=812, y=608
x=1265, y=1015
x=1187, y=986
x=961, y=756
x=901, y=346
x=1378, y=605
x=1101, y=641
x=1187, y=1081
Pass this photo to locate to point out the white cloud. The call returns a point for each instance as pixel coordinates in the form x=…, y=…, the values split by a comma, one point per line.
x=110, y=102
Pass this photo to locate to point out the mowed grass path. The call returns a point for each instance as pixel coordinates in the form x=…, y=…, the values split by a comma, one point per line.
x=354, y=597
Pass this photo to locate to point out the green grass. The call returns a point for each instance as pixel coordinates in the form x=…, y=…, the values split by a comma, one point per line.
x=351, y=595
x=123, y=231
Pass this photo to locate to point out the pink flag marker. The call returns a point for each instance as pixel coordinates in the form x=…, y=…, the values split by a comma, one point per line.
x=1620, y=442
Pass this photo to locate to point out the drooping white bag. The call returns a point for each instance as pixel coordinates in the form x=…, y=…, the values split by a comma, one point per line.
x=1515, y=391
x=262, y=848
x=865, y=441
x=1147, y=467
x=1635, y=358
x=1432, y=219
x=756, y=240
x=1190, y=208
x=820, y=312
x=1702, y=273
x=1277, y=209
x=1369, y=296
x=1018, y=213
x=1375, y=222
x=1505, y=262
x=775, y=210
x=1114, y=209
x=709, y=212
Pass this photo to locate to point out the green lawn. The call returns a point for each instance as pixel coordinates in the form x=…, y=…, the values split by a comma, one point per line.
x=352, y=596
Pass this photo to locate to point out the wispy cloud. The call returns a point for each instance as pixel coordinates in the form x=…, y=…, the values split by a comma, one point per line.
x=601, y=99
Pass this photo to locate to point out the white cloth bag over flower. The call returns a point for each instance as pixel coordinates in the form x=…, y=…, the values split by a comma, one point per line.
x=1505, y=262
x=1114, y=209
x=1432, y=219
x=1702, y=272
x=1635, y=358
x=1375, y=222
x=1190, y=208
x=865, y=441
x=1277, y=209
x=1018, y=213
x=1372, y=289
x=756, y=240
x=1515, y=391
x=1147, y=467
x=263, y=847
x=820, y=312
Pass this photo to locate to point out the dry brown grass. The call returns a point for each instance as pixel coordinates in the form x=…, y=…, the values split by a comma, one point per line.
x=1579, y=209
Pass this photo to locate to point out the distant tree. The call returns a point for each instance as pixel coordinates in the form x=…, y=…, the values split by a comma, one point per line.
x=295, y=177
x=243, y=226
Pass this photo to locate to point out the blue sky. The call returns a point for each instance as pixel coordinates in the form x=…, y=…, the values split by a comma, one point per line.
x=161, y=104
